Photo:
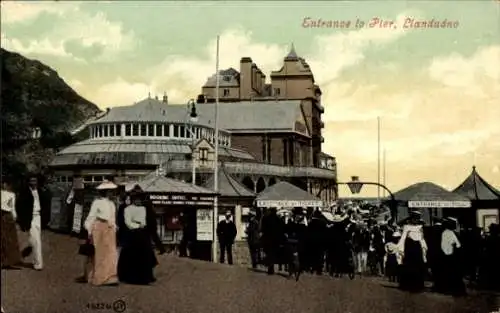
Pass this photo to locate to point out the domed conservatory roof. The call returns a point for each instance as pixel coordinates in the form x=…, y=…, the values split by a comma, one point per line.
x=233, y=116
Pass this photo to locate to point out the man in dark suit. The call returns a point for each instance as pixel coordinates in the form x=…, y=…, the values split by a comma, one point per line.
x=226, y=233
x=33, y=210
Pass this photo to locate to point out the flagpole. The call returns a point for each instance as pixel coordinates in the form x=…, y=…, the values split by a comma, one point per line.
x=378, y=158
x=216, y=161
x=384, y=173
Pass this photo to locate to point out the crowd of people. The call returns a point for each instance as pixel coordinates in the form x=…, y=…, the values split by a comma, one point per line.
x=408, y=252
x=116, y=244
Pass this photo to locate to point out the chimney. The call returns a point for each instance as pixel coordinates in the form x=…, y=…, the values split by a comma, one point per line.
x=165, y=98
x=245, y=78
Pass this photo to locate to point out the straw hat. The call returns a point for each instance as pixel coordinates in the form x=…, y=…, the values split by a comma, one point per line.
x=339, y=218
x=106, y=185
x=132, y=187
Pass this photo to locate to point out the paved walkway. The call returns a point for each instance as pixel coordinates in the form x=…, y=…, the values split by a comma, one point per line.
x=189, y=286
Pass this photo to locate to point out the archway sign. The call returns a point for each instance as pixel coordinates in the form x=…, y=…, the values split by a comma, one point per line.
x=438, y=204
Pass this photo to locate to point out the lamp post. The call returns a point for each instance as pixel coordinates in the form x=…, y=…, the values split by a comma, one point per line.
x=355, y=186
x=193, y=118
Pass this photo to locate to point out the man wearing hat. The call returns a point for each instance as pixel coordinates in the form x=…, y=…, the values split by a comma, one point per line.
x=226, y=233
x=451, y=276
x=33, y=211
x=252, y=232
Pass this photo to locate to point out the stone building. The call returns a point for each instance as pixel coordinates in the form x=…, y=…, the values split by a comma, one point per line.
x=293, y=81
x=268, y=133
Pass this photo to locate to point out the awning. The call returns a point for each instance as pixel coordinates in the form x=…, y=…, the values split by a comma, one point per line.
x=286, y=195
x=429, y=195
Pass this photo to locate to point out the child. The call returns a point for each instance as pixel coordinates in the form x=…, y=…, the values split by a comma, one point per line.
x=391, y=253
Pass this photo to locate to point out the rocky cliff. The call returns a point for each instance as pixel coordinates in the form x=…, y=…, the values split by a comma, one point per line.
x=34, y=97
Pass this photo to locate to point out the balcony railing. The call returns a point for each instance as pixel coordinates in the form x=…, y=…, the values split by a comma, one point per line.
x=255, y=169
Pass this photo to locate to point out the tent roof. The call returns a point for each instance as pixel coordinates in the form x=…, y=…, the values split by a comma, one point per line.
x=285, y=191
x=161, y=184
x=475, y=187
x=228, y=186
x=427, y=191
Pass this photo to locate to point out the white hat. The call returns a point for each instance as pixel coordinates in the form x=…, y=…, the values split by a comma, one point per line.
x=339, y=218
x=451, y=219
x=396, y=234
x=106, y=185
x=130, y=186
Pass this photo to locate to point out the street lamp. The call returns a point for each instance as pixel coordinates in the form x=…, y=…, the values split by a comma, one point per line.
x=193, y=118
x=355, y=186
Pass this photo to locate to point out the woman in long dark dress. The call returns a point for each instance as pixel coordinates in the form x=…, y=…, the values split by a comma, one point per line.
x=137, y=258
x=413, y=249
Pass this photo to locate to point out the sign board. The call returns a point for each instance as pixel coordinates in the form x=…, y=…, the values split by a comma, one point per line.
x=289, y=203
x=181, y=200
x=439, y=204
x=204, y=224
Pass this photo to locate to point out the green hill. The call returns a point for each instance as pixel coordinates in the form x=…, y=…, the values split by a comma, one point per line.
x=34, y=97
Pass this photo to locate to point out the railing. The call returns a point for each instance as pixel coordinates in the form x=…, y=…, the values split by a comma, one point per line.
x=255, y=169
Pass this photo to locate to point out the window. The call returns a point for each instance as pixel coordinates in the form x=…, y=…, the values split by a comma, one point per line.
x=176, y=131
x=189, y=130
x=276, y=91
x=159, y=130
x=118, y=129
x=135, y=130
x=128, y=129
x=166, y=131
x=112, y=130
x=151, y=130
x=226, y=92
x=106, y=130
x=226, y=78
x=203, y=154
x=100, y=131
x=87, y=179
x=144, y=130
x=285, y=151
x=182, y=131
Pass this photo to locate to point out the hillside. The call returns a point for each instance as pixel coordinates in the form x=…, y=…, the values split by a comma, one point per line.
x=34, y=96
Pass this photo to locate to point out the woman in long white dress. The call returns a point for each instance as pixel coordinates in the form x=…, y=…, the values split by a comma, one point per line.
x=101, y=226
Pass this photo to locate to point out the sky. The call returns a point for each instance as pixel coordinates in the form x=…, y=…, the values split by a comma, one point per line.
x=435, y=90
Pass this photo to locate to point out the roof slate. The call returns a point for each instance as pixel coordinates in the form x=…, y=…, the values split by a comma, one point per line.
x=228, y=186
x=160, y=184
x=427, y=191
x=475, y=187
x=285, y=191
x=233, y=116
